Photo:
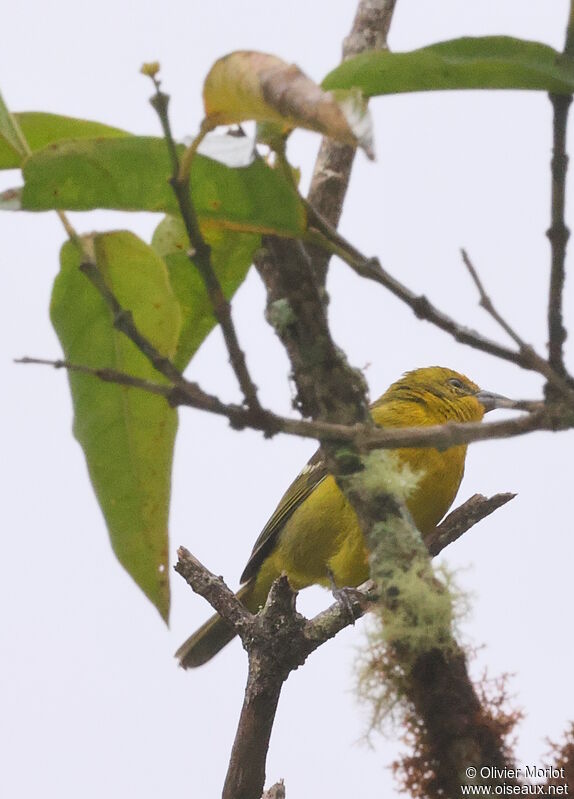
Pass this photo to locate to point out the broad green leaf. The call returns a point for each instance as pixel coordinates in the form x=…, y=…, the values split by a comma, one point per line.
x=127, y=434
x=11, y=138
x=489, y=62
x=231, y=254
x=132, y=174
x=41, y=129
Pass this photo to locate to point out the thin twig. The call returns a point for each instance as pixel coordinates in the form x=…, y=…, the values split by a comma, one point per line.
x=460, y=520
x=214, y=590
x=364, y=436
x=569, y=43
x=324, y=235
x=200, y=254
x=276, y=791
x=124, y=322
x=371, y=269
x=105, y=374
x=185, y=393
x=543, y=367
x=486, y=302
x=558, y=233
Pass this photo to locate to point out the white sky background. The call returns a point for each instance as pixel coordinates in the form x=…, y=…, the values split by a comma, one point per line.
x=92, y=702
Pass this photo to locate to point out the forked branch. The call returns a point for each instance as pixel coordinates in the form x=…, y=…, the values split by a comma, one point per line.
x=279, y=640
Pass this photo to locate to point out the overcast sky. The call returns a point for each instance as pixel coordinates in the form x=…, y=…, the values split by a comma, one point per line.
x=92, y=702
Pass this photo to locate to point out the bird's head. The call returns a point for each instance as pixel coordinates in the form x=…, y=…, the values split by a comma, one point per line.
x=451, y=396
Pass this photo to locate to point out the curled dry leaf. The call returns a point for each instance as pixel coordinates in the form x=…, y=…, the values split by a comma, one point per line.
x=249, y=85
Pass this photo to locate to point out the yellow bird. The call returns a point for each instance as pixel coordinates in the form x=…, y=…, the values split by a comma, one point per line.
x=314, y=535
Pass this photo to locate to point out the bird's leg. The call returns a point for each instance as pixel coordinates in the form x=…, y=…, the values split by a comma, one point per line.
x=344, y=596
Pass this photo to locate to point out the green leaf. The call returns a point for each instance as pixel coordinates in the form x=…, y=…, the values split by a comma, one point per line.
x=12, y=141
x=231, y=255
x=489, y=62
x=41, y=129
x=132, y=174
x=127, y=434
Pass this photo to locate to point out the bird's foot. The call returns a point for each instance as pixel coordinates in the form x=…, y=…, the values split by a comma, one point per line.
x=344, y=596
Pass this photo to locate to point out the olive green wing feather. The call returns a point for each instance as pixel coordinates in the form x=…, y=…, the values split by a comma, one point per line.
x=313, y=473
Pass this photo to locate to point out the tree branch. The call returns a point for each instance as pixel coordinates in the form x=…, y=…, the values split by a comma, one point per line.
x=214, y=590
x=569, y=43
x=486, y=303
x=276, y=791
x=124, y=322
x=462, y=519
x=274, y=651
x=364, y=437
x=275, y=645
x=200, y=255
x=278, y=640
x=559, y=380
x=328, y=389
x=335, y=161
x=558, y=233
x=324, y=235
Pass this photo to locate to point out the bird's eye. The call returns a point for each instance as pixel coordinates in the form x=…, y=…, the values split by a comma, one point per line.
x=456, y=383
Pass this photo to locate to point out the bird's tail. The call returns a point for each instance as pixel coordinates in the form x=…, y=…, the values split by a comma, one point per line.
x=213, y=635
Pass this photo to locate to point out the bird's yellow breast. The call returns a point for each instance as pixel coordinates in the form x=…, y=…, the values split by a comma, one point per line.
x=440, y=472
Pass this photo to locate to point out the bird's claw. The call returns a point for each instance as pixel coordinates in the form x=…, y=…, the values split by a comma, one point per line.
x=343, y=596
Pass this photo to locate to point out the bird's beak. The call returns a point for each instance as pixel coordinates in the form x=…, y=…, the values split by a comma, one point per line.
x=491, y=401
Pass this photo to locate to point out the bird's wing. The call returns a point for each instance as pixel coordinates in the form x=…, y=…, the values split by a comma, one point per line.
x=313, y=473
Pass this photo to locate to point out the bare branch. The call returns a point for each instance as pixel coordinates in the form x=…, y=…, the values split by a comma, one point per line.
x=453, y=433
x=558, y=233
x=328, y=389
x=124, y=322
x=275, y=645
x=105, y=374
x=486, y=303
x=569, y=43
x=324, y=235
x=558, y=380
x=370, y=27
x=278, y=640
x=336, y=617
x=276, y=791
x=364, y=436
x=214, y=590
x=335, y=161
x=275, y=649
x=463, y=518
x=200, y=256
x=185, y=393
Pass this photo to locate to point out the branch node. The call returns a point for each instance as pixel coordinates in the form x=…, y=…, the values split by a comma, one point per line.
x=558, y=234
